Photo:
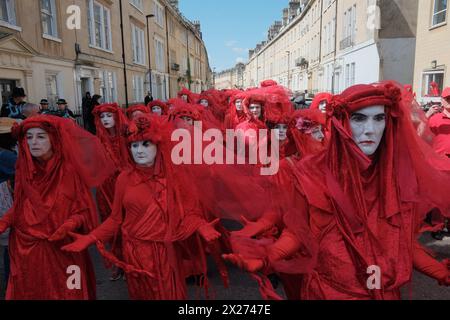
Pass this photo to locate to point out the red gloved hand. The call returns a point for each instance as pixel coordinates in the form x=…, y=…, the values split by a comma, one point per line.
x=81, y=243
x=3, y=226
x=253, y=229
x=63, y=231
x=208, y=232
x=286, y=246
x=250, y=265
x=429, y=266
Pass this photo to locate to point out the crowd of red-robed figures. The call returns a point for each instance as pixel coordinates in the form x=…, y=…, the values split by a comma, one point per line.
x=339, y=220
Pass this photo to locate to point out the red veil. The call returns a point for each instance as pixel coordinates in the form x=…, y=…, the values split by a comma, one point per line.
x=115, y=146
x=47, y=195
x=399, y=179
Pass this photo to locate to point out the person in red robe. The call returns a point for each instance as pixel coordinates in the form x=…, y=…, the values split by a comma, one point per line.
x=235, y=113
x=58, y=163
x=136, y=111
x=155, y=211
x=158, y=107
x=111, y=126
x=360, y=204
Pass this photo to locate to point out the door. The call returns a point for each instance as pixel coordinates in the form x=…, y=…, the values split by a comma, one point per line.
x=6, y=88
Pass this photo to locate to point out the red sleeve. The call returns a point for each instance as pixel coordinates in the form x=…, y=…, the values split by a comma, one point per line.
x=286, y=246
x=111, y=226
x=427, y=265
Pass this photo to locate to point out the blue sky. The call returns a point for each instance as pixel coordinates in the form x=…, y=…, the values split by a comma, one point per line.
x=231, y=27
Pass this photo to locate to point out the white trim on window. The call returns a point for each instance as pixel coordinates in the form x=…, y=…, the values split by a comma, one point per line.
x=138, y=45
x=103, y=40
x=49, y=18
x=435, y=14
x=159, y=14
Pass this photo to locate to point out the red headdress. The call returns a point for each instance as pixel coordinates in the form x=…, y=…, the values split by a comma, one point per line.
x=301, y=124
x=115, y=145
x=186, y=92
x=268, y=83
x=183, y=109
x=138, y=107
x=158, y=103
x=324, y=96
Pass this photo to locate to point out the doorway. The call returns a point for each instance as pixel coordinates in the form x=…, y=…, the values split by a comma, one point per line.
x=6, y=88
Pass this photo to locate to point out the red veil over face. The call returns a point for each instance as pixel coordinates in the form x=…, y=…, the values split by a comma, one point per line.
x=397, y=186
x=115, y=145
x=47, y=195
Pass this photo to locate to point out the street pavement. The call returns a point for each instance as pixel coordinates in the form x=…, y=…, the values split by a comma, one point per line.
x=242, y=287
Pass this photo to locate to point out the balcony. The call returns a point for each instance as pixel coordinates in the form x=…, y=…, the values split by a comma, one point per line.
x=347, y=42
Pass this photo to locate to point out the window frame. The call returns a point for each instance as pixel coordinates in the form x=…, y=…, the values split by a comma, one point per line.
x=433, y=14
x=105, y=29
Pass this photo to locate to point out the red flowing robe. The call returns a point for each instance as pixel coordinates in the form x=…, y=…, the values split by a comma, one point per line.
x=32, y=222
x=140, y=212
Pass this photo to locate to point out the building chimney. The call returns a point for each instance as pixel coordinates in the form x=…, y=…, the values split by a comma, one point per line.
x=174, y=4
x=285, y=16
x=293, y=9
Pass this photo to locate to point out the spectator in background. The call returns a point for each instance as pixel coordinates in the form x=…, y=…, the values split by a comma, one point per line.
x=148, y=98
x=63, y=110
x=30, y=110
x=45, y=107
x=13, y=108
x=95, y=101
x=86, y=106
x=8, y=159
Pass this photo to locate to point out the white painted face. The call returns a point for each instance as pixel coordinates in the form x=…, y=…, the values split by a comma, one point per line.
x=368, y=126
x=39, y=143
x=204, y=103
x=238, y=104
x=188, y=120
x=144, y=153
x=157, y=110
x=184, y=97
x=107, y=120
x=255, y=110
x=317, y=133
x=323, y=106
x=281, y=131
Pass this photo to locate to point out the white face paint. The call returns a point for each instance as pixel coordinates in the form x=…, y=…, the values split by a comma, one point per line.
x=107, y=120
x=323, y=106
x=188, y=120
x=39, y=143
x=144, y=153
x=317, y=133
x=204, y=103
x=238, y=104
x=157, y=110
x=184, y=97
x=368, y=127
x=281, y=131
x=255, y=110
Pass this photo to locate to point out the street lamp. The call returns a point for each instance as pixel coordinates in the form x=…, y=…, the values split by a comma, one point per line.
x=149, y=54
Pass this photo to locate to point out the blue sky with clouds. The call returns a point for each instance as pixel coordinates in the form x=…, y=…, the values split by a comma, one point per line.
x=231, y=27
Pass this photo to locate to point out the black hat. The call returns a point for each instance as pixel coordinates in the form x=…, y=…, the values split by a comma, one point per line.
x=61, y=101
x=18, y=92
x=44, y=101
